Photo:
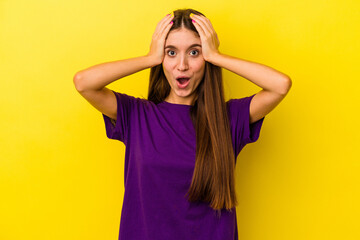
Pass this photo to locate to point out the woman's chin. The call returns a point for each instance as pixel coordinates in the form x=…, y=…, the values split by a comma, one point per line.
x=183, y=92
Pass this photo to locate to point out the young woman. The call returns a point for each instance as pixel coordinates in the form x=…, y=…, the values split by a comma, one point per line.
x=181, y=142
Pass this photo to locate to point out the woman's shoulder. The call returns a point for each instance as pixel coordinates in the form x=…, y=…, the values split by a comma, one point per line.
x=239, y=101
x=134, y=100
x=239, y=105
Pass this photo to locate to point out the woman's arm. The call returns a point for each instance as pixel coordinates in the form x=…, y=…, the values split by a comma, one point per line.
x=100, y=75
x=91, y=83
x=267, y=78
x=274, y=83
x=261, y=75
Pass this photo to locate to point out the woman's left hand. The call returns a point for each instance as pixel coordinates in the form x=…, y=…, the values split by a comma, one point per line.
x=209, y=39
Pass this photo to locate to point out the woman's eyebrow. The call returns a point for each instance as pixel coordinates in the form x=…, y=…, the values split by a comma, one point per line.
x=194, y=45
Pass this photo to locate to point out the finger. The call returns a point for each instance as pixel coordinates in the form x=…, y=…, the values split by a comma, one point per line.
x=204, y=24
x=166, y=30
x=163, y=23
x=210, y=24
x=166, y=25
x=159, y=23
x=199, y=29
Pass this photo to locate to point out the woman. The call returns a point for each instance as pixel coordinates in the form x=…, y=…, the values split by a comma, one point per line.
x=181, y=142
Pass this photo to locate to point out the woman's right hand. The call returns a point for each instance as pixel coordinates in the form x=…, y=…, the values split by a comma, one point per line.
x=158, y=39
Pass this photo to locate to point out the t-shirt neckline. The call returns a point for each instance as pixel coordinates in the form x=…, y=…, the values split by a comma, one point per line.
x=176, y=104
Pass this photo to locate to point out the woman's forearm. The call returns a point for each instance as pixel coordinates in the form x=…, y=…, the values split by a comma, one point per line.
x=261, y=75
x=100, y=75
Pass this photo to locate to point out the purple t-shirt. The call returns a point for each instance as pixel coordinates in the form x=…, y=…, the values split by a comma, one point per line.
x=160, y=152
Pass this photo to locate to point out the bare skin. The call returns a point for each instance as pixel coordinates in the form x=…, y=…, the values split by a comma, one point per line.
x=182, y=58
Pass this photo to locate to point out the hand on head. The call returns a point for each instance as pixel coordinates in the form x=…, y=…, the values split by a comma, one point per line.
x=158, y=38
x=209, y=39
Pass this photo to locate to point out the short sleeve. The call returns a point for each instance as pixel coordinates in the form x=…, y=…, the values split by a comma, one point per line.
x=118, y=129
x=242, y=131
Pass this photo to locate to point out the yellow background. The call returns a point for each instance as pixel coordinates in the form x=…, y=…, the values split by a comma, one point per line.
x=62, y=178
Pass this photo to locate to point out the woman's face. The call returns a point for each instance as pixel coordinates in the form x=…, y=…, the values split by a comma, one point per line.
x=183, y=58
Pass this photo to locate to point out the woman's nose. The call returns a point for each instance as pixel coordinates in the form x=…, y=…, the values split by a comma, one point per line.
x=183, y=64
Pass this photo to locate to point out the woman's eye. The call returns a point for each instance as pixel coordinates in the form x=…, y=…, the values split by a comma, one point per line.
x=170, y=51
x=195, y=51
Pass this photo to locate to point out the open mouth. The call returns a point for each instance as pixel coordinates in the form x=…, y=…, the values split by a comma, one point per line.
x=182, y=82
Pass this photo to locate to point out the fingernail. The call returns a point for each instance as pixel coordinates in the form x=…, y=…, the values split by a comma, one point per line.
x=191, y=15
x=171, y=22
x=172, y=14
x=193, y=20
x=167, y=14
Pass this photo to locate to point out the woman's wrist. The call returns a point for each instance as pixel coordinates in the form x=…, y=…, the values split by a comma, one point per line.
x=151, y=61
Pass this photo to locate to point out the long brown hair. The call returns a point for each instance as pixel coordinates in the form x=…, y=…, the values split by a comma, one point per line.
x=213, y=177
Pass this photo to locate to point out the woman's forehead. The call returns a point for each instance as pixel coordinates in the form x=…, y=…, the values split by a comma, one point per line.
x=183, y=38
